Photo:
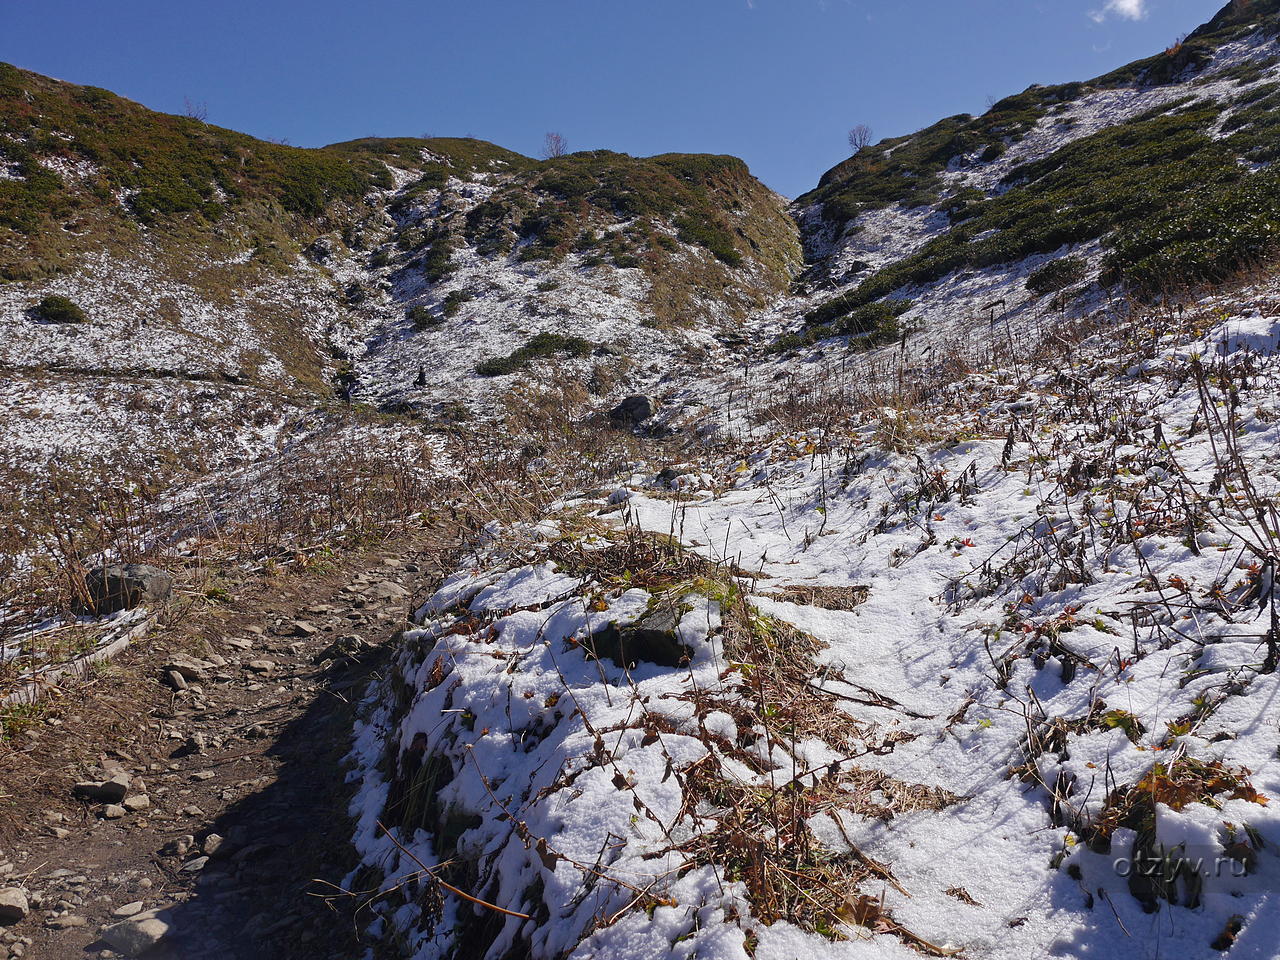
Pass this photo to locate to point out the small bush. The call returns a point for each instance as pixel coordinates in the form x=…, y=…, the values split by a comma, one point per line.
x=421, y=317
x=438, y=264
x=994, y=151
x=58, y=309
x=869, y=325
x=542, y=345
x=1056, y=274
x=453, y=302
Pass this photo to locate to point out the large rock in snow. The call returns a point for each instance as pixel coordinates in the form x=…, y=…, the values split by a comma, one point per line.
x=634, y=409
x=123, y=586
x=653, y=639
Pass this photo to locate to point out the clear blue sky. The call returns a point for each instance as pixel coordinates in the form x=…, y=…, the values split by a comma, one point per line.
x=776, y=82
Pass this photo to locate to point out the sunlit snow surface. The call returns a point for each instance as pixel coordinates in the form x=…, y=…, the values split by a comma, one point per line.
x=492, y=644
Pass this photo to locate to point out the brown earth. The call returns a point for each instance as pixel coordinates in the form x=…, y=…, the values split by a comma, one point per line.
x=251, y=756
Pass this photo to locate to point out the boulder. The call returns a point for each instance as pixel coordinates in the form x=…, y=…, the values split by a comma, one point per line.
x=13, y=905
x=123, y=586
x=189, y=668
x=105, y=791
x=137, y=934
x=634, y=409
x=652, y=639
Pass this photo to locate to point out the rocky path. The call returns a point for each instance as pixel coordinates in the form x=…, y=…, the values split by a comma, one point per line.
x=210, y=817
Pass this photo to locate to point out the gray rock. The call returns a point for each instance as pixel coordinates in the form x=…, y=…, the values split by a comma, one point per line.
x=137, y=804
x=349, y=645
x=178, y=847
x=137, y=934
x=123, y=586
x=386, y=590
x=634, y=409
x=652, y=638
x=261, y=666
x=127, y=910
x=105, y=791
x=191, y=669
x=13, y=905
x=112, y=811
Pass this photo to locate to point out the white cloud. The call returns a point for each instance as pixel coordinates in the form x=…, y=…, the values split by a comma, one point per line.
x=1126, y=9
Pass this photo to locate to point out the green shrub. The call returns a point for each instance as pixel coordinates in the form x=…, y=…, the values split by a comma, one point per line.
x=58, y=309
x=542, y=345
x=421, y=317
x=1056, y=274
x=381, y=258
x=867, y=326
x=453, y=302
x=1202, y=237
x=994, y=151
x=438, y=263
x=712, y=236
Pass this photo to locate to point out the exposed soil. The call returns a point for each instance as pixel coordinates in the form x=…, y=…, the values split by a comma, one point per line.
x=250, y=755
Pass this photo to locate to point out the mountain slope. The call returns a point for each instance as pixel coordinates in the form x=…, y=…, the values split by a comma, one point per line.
x=1151, y=177
x=215, y=271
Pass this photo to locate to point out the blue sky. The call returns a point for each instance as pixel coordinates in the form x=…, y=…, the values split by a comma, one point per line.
x=776, y=82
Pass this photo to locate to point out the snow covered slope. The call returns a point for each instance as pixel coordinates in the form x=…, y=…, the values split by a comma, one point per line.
x=961, y=645
x=992, y=674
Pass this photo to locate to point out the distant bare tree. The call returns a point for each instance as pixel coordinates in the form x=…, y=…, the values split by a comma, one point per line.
x=195, y=110
x=859, y=138
x=554, y=145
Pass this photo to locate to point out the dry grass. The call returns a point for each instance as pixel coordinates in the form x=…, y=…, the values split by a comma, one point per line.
x=823, y=596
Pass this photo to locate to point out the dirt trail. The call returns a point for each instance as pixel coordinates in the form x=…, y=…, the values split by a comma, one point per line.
x=244, y=819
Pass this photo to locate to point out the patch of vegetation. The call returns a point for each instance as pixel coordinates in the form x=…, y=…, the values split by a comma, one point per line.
x=1056, y=274
x=1159, y=182
x=553, y=206
x=437, y=265
x=58, y=309
x=540, y=346
x=907, y=169
x=871, y=324
x=422, y=317
x=439, y=154
x=453, y=302
x=1204, y=237
x=162, y=165
x=712, y=236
